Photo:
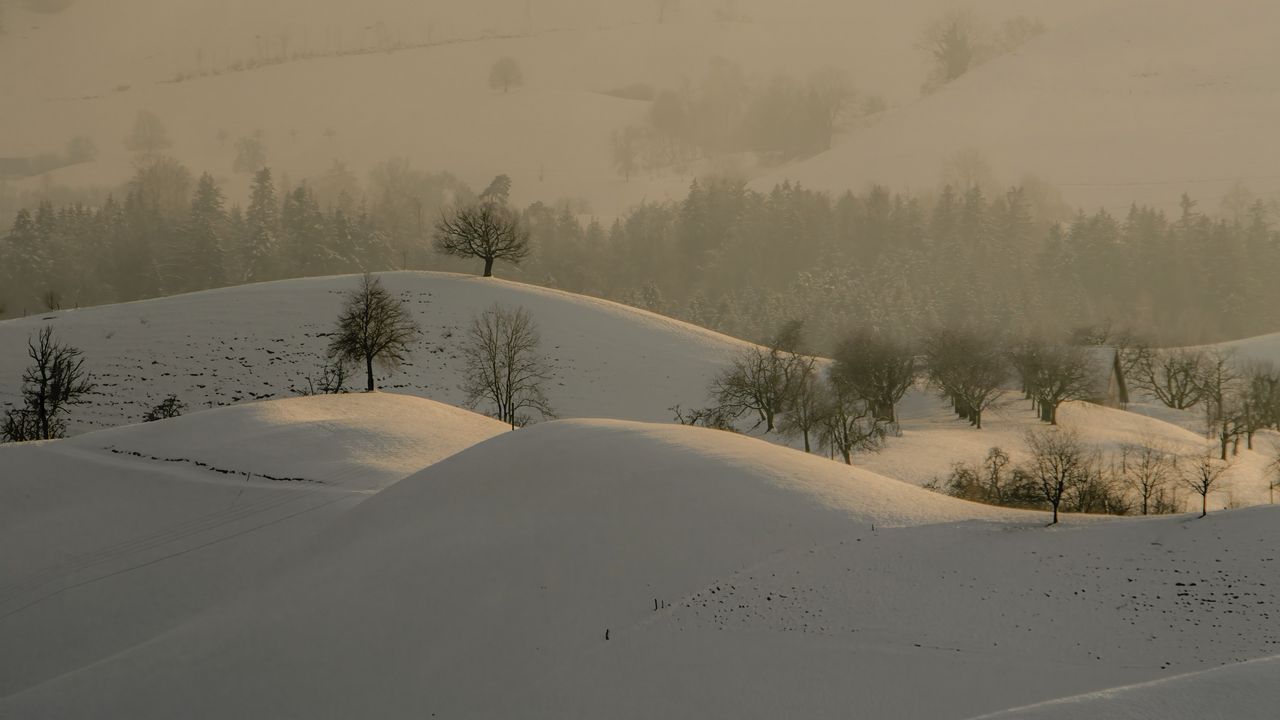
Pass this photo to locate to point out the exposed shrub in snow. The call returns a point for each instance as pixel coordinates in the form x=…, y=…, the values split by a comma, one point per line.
x=170, y=407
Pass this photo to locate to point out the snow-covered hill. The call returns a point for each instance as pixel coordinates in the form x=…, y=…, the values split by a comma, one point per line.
x=590, y=569
x=242, y=344
x=262, y=341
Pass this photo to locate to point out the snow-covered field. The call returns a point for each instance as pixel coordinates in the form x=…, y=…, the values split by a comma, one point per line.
x=733, y=577
x=389, y=555
x=238, y=345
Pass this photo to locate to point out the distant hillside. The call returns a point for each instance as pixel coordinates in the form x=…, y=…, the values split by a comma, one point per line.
x=1137, y=102
x=326, y=82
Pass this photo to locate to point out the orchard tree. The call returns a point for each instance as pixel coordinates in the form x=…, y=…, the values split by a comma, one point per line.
x=1203, y=474
x=877, y=367
x=374, y=328
x=1058, y=463
x=502, y=365
x=1172, y=376
x=968, y=369
x=847, y=422
x=1146, y=469
x=489, y=231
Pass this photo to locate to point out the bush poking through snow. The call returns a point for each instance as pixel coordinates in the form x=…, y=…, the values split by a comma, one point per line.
x=170, y=407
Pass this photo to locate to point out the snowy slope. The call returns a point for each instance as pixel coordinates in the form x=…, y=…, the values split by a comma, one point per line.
x=154, y=533
x=1246, y=690
x=484, y=585
x=262, y=341
x=238, y=345
x=354, y=442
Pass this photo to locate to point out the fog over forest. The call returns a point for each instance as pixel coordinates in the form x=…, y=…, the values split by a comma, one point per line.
x=1082, y=169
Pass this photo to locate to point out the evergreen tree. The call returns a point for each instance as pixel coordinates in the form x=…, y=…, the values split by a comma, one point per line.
x=205, y=235
x=261, y=248
x=26, y=261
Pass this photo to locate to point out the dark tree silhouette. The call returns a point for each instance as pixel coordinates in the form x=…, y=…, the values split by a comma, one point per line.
x=488, y=231
x=878, y=368
x=1203, y=473
x=55, y=381
x=503, y=366
x=374, y=327
x=1058, y=463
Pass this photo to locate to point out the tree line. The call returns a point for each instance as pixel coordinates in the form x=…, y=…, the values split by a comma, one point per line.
x=1060, y=473
x=724, y=257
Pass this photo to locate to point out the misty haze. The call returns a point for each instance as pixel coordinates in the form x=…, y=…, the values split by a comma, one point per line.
x=658, y=358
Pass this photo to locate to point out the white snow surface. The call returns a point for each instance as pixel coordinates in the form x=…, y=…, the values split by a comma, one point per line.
x=358, y=441
x=1247, y=690
x=254, y=342
x=483, y=586
x=261, y=341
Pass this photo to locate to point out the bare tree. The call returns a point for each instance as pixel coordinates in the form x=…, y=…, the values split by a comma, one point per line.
x=1063, y=374
x=505, y=74
x=54, y=383
x=1203, y=474
x=489, y=231
x=877, y=367
x=847, y=423
x=1172, y=376
x=1058, y=462
x=1261, y=399
x=802, y=406
x=711, y=417
x=148, y=135
x=968, y=369
x=1146, y=469
x=756, y=382
x=374, y=327
x=1219, y=386
x=503, y=366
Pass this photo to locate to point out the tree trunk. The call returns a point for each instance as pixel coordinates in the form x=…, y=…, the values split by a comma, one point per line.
x=977, y=419
x=806, y=441
x=1055, y=514
x=368, y=367
x=1204, y=504
x=488, y=267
